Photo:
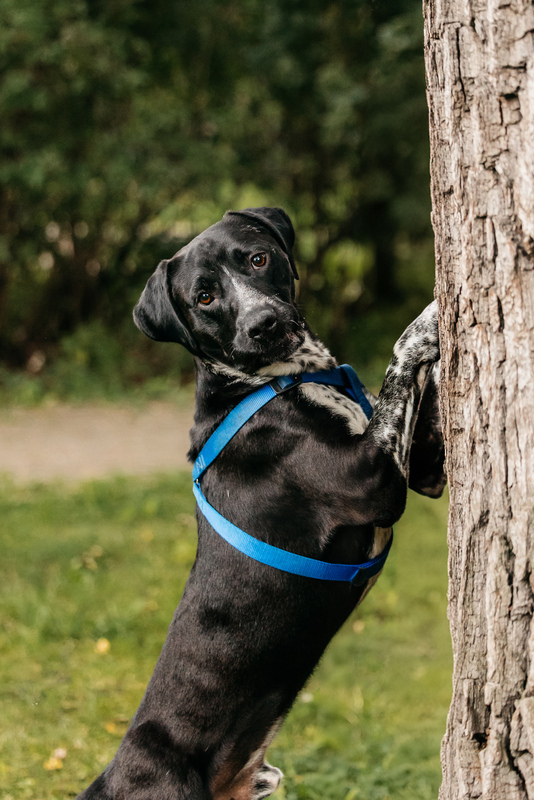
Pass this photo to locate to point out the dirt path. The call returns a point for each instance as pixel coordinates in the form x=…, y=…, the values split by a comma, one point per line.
x=79, y=443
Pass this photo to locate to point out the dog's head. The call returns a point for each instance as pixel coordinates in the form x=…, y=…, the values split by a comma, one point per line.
x=228, y=296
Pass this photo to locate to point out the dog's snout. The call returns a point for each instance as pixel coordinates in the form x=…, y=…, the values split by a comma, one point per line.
x=263, y=324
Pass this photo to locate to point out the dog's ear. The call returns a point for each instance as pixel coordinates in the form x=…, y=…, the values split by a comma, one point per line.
x=278, y=224
x=157, y=316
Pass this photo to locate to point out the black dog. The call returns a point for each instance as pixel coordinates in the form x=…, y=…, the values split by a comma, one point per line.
x=307, y=474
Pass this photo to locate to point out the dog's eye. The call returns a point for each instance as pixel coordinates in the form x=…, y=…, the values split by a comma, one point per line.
x=205, y=298
x=258, y=260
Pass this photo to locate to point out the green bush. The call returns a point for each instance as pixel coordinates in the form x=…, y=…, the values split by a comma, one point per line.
x=128, y=127
x=98, y=364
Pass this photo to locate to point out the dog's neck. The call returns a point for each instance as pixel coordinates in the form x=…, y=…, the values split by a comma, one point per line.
x=220, y=387
x=311, y=356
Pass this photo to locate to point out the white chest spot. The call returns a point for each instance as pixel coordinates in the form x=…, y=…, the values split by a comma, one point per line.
x=338, y=404
x=311, y=355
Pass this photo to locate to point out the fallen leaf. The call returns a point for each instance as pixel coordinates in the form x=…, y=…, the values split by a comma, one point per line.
x=102, y=646
x=53, y=763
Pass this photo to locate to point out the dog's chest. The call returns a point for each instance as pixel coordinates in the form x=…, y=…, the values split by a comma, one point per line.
x=338, y=404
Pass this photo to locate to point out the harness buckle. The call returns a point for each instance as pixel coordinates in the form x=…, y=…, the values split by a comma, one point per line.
x=284, y=383
x=360, y=577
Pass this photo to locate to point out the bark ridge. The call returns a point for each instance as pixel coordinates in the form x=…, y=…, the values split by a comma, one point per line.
x=480, y=84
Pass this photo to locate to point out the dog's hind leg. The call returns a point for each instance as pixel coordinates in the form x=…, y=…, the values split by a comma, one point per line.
x=266, y=782
x=97, y=790
x=147, y=766
x=188, y=786
x=254, y=781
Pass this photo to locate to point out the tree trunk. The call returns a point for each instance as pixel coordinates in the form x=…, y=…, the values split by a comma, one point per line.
x=480, y=77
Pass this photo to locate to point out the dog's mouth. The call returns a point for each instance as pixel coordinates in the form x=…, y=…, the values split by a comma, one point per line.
x=260, y=353
x=298, y=351
x=246, y=358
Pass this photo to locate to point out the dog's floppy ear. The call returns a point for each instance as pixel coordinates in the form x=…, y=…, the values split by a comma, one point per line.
x=157, y=316
x=278, y=224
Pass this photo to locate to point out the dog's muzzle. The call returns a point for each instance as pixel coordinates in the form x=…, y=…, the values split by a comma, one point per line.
x=267, y=332
x=262, y=325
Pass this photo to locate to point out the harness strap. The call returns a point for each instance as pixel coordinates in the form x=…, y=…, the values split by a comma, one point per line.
x=284, y=560
x=230, y=425
x=263, y=552
x=345, y=377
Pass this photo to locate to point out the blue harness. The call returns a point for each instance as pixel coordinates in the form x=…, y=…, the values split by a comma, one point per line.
x=357, y=574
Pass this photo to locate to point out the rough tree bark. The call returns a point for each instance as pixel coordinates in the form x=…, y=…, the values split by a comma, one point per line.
x=480, y=76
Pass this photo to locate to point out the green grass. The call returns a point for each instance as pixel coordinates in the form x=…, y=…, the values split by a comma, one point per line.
x=108, y=562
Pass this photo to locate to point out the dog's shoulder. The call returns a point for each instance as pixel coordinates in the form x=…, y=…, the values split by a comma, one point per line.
x=337, y=406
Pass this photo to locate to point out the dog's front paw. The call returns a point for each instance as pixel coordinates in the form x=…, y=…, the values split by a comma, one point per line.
x=420, y=341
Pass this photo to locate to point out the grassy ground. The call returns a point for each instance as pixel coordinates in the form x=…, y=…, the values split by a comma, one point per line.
x=89, y=580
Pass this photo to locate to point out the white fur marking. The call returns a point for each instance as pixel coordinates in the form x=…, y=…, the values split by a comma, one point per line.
x=311, y=355
x=382, y=537
x=257, y=776
x=237, y=375
x=338, y=404
x=248, y=296
x=271, y=777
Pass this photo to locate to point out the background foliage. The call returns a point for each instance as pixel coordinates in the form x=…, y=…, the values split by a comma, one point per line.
x=128, y=126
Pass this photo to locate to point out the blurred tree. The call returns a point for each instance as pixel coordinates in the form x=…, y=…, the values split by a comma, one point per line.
x=99, y=131
x=126, y=124
x=343, y=98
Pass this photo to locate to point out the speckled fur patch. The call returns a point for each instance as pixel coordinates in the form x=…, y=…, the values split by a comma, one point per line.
x=411, y=366
x=310, y=356
x=338, y=404
x=395, y=410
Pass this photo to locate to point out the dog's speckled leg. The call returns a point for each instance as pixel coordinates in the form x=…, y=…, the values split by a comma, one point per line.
x=395, y=413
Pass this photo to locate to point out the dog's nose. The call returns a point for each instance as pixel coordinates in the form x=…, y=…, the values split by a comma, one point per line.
x=263, y=325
